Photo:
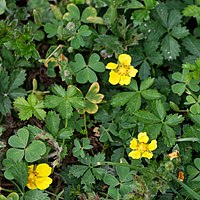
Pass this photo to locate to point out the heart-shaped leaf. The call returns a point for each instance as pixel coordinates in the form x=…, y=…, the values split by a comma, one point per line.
x=34, y=151
x=93, y=95
x=20, y=140
x=15, y=154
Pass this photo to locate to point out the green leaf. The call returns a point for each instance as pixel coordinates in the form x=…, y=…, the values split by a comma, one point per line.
x=162, y=12
x=192, y=44
x=84, y=31
x=178, y=88
x=78, y=170
x=95, y=64
x=17, y=78
x=52, y=122
x=159, y=109
x=170, y=48
x=36, y=194
x=20, y=173
x=145, y=84
x=20, y=140
x=73, y=12
x=197, y=163
x=121, y=98
x=12, y=196
x=110, y=180
x=174, y=119
x=192, y=11
x=88, y=12
x=150, y=4
x=79, y=63
x=134, y=103
x=179, y=32
x=150, y=94
x=15, y=154
x=144, y=71
x=146, y=117
x=65, y=101
x=30, y=107
x=174, y=18
x=51, y=28
x=169, y=135
x=35, y=151
x=2, y=7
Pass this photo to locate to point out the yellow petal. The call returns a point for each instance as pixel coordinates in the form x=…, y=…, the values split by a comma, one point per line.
x=125, y=80
x=134, y=144
x=135, y=154
x=153, y=145
x=31, y=181
x=142, y=137
x=124, y=59
x=132, y=71
x=43, y=170
x=30, y=168
x=147, y=154
x=114, y=78
x=43, y=183
x=111, y=65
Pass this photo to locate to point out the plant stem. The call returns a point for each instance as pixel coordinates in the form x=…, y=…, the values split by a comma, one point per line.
x=85, y=124
x=6, y=190
x=53, y=194
x=59, y=47
x=188, y=140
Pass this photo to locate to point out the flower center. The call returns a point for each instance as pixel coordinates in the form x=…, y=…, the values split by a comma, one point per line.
x=122, y=70
x=142, y=147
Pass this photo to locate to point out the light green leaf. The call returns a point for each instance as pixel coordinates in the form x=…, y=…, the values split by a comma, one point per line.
x=79, y=63
x=36, y=194
x=20, y=140
x=2, y=6
x=110, y=180
x=78, y=170
x=34, y=151
x=15, y=154
x=52, y=122
x=147, y=83
x=134, y=103
x=146, y=117
x=159, y=109
x=178, y=88
x=150, y=94
x=174, y=119
x=169, y=135
x=121, y=98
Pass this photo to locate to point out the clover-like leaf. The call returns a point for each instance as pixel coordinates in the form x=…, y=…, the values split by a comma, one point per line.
x=85, y=73
x=20, y=140
x=34, y=151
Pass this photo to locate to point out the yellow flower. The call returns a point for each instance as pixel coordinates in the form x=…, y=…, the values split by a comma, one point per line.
x=38, y=176
x=141, y=148
x=122, y=72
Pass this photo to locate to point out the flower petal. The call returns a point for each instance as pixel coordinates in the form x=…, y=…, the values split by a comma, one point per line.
x=147, y=154
x=43, y=183
x=153, y=145
x=43, y=170
x=135, y=154
x=30, y=168
x=132, y=71
x=31, y=181
x=111, y=65
x=125, y=80
x=124, y=59
x=142, y=137
x=134, y=143
x=114, y=78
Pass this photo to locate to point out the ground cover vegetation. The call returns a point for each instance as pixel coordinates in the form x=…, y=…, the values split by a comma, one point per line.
x=99, y=99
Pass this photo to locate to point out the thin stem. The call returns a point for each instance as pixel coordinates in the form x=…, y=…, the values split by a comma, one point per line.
x=6, y=190
x=188, y=140
x=188, y=91
x=85, y=124
x=55, y=195
x=18, y=188
x=66, y=123
x=59, y=47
